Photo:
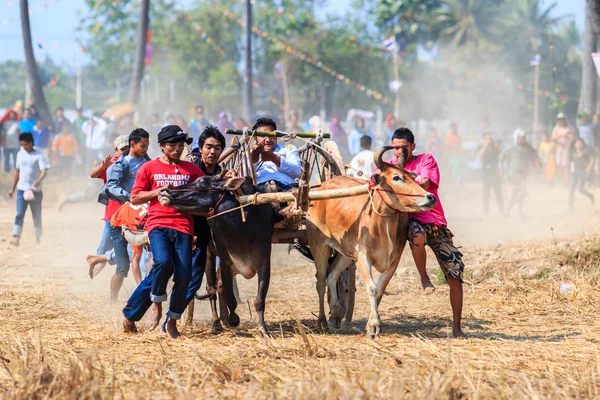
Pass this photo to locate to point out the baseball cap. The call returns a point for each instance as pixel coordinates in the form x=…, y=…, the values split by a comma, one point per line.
x=561, y=116
x=121, y=142
x=173, y=134
x=519, y=133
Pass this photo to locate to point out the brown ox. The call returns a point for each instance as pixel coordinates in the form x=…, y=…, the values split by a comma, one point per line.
x=369, y=229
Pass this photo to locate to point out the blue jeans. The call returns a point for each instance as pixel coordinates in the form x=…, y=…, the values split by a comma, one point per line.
x=36, y=212
x=144, y=261
x=172, y=252
x=106, y=241
x=120, y=246
x=7, y=154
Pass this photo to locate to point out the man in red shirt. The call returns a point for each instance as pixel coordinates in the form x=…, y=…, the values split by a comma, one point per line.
x=170, y=233
x=430, y=227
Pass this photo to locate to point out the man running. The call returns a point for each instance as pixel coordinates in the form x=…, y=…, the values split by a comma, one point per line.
x=430, y=227
x=170, y=233
x=31, y=168
x=121, y=178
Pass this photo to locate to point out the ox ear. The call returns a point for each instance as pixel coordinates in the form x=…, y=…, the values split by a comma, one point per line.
x=233, y=183
x=377, y=178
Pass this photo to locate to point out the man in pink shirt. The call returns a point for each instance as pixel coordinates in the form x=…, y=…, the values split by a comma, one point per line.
x=430, y=227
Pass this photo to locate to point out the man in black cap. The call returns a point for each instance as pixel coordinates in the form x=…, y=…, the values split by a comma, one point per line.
x=170, y=233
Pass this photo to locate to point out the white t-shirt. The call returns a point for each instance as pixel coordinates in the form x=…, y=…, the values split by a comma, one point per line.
x=30, y=166
x=363, y=161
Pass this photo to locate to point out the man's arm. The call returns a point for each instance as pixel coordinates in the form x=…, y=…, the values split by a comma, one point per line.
x=140, y=192
x=15, y=181
x=107, y=162
x=425, y=183
x=144, y=197
x=290, y=164
x=113, y=182
x=41, y=178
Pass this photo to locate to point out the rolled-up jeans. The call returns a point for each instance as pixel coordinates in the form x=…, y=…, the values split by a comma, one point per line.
x=36, y=213
x=172, y=253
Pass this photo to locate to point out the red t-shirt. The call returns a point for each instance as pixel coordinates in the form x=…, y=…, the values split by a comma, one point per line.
x=156, y=174
x=113, y=205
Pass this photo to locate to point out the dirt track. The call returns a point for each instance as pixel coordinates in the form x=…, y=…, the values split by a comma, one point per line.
x=526, y=339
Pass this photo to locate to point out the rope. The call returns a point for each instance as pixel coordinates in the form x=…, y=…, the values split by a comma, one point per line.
x=253, y=201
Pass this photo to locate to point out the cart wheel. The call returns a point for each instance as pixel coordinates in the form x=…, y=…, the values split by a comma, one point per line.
x=327, y=170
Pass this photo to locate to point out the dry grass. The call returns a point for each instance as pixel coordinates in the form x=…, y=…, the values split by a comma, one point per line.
x=527, y=341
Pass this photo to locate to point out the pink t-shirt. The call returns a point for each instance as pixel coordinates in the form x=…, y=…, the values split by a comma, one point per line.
x=425, y=166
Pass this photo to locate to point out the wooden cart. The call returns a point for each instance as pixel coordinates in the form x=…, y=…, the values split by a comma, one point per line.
x=321, y=160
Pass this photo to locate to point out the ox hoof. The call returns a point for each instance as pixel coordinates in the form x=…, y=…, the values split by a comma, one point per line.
x=233, y=320
x=322, y=324
x=262, y=329
x=373, y=330
x=335, y=323
x=216, y=327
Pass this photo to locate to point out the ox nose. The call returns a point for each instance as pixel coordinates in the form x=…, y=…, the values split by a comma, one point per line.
x=430, y=197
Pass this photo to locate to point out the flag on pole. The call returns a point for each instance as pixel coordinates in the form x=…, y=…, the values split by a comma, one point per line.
x=390, y=44
x=535, y=61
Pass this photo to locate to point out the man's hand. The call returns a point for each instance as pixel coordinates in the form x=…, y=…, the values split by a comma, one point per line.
x=36, y=184
x=107, y=162
x=230, y=174
x=11, y=193
x=270, y=156
x=259, y=146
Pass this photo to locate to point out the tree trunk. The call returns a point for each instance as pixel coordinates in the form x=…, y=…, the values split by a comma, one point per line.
x=140, y=52
x=588, y=96
x=33, y=75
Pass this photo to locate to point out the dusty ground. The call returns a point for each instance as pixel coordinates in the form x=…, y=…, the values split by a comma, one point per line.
x=60, y=338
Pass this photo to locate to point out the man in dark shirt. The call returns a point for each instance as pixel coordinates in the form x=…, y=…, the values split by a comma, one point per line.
x=489, y=156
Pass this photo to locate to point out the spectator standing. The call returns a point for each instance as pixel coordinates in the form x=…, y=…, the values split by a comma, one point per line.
x=96, y=138
x=359, y=131
x=390, y=127
x=363, y=161
x=546, y=154
x=582, y=163
x=78, y=130
x=454, y=151
x=197, y=125
x=223, y=124
x=586, y=130
x=65, y=148
x=560, y=136
x=60, y=120
x=489, y=156
x=338, y=134
x=27, y=123
x=31, y=168
x=41, y=136
x=434, y=144
x=11, y=132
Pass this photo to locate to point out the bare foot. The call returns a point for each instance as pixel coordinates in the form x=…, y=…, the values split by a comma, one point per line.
x=92, y=261
x=171, y=328
x=15, y=242
x=428, y=287
x=458, y=334
x=97, y=269
x=129, y=326
x=156, y=317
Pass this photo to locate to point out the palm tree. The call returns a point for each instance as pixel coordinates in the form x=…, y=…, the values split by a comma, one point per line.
x=588, y=95
x=33, y=75
x=140, y=51
x=529, y=23
x=466, y=21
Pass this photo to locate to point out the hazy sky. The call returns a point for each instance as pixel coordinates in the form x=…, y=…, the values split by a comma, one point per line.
x=53, y=24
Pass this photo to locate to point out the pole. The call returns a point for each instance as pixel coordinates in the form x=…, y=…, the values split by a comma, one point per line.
x=396, y=78
x=286, y=96
x=248, y=66
x=536, y=102
x=78, y=82
x=172, y=91
x=118, y=91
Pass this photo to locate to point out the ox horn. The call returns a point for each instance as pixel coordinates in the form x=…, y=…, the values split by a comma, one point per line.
x=402, y=157
x=135, y=239
x=378, y=157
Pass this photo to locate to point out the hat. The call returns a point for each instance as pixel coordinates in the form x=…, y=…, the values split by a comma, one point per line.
x=121, y=142
x=173, y=134
x=582, y=113
x=79, y=108
x=222, y=114
x=519, y=133
x=561, y=116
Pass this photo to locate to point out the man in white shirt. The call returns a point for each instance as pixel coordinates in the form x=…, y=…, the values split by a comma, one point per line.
x=363, y=161
x=272, y=161
x=31, y=168
x=95, y=130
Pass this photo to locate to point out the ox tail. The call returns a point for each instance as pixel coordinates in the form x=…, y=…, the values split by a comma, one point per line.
x=303, y=249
